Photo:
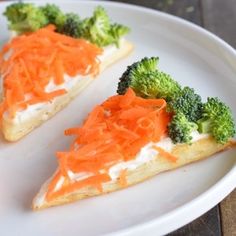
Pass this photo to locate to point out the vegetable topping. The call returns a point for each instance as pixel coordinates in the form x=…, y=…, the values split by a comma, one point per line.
x=25, y=17
x=98, y=29
x=29, y=62
x=147, y=81
x=113, y=132
x=188, y=111
x=217, y=120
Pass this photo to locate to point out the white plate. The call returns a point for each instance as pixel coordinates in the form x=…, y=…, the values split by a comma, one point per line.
x=192, y=56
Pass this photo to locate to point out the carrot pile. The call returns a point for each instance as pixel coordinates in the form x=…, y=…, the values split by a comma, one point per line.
x=29, y=62
x=113, y=132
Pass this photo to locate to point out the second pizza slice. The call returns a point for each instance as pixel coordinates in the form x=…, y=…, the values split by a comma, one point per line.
x=152, y=125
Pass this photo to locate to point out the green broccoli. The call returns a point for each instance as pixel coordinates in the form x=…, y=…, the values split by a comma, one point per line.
x=187, y=109
x=140, y=67
x=117, y=31
x=98, y=29
x=54, y=15
x=180, y=129
x=71, y=26
x=144, y=78
x=187, y=102
x=217, y=120
x=25, y=17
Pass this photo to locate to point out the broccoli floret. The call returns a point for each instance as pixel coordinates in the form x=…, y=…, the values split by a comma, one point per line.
x=54, y=15
x=144, y=78
x=98, y=29
x=217, y=120
x=155, y=84
x=145, y=85
x=144, y=66
x=117, y=31
x=25, y=17
x=180, y=129
x=167, y=88
x=187, y=102
x=71, y=26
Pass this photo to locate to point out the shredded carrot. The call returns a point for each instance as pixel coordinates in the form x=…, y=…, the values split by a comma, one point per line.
x=28, y=63
x=123, y=178
x=126, y=101
x=113, y=132
x=166, y=154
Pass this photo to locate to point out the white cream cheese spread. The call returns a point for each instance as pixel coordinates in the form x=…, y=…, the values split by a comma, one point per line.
x=146, y=154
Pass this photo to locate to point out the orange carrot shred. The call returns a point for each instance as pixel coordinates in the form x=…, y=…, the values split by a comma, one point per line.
x=168, y=155
x=127, y=99
x=29, y=62
x=113, y=132
x=123, y=178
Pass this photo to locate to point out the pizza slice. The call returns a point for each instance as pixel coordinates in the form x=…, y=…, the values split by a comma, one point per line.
x=152, y=125
x=44, y=67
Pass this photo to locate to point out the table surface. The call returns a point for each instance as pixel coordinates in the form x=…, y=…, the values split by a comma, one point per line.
x=219, y=17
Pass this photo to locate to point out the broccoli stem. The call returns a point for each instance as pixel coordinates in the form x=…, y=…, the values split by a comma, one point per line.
x=204, y=125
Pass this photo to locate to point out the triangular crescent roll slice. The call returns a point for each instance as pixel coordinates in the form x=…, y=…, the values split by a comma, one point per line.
x=42, y=72
x=122, y=142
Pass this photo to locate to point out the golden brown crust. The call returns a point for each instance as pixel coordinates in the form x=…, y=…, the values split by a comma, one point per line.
x=13, y=132
x=185, y=154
